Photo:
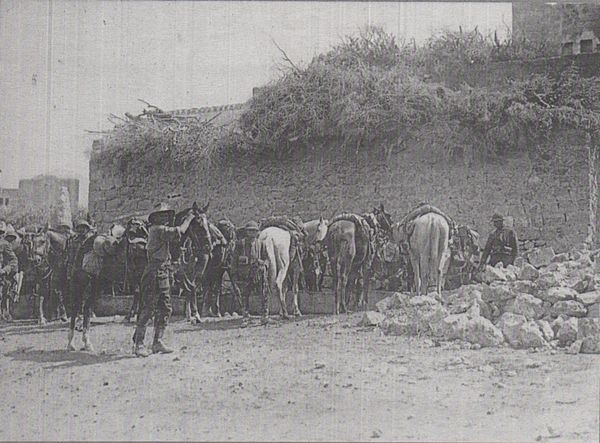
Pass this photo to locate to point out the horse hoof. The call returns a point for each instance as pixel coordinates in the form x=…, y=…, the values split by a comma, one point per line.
x=88, y=348
x=71, y=347
x=42, y=322
x=298, y=313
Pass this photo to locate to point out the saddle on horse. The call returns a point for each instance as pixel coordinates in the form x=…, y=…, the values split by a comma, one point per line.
x=408, y=225
x=364, y=230
x=295, y=227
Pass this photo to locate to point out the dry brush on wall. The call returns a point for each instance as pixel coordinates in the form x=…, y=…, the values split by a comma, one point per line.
x=351, y=127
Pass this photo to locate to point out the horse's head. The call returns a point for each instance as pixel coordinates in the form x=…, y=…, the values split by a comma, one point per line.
x=199, y=229
x=384, y=220
x=136, y=229
x=36, y=246
x=322, y=228
x=316, y=230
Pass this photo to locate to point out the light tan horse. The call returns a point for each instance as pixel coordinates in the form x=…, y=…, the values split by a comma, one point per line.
x=273, y=248
x=429, y=251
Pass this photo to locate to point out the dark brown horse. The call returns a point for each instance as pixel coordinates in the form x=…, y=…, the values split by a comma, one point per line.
x=350, y=246
x=221, y=262
x=192, y=255
x=103, y=256
x=136, y=235
x=45, y=272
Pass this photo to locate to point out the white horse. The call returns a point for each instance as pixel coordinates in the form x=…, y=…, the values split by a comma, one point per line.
x=429, y=250
x=273, y=247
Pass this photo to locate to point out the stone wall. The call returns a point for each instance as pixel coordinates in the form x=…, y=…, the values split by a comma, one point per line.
x=550, y=204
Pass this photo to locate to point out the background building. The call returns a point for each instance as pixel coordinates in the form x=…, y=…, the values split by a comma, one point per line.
x=44, y=191
x=8, y=197
x=572, y=27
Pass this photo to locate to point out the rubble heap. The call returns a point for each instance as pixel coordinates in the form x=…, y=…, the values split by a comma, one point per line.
x=546, y=300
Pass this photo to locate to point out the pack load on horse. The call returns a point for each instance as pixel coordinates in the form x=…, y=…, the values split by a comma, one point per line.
x=350, y=245
x=9, y=267
x=279, y=243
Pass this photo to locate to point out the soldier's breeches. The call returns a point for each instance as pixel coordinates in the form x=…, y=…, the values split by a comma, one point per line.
x=156, y=298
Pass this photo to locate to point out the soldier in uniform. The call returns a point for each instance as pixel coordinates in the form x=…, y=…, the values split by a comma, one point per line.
x=155, y=285
x=8, y=264
x=501, y=247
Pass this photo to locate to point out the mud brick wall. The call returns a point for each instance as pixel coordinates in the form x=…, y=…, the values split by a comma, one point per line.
x=549, y=205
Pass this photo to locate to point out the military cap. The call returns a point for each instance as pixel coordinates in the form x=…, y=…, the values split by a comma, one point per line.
x=497, y=217
x=82, y=222
x=252, y=225
x=10, y=232
x=160, y=209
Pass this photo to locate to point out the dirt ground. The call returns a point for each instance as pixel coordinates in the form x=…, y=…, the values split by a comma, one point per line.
x=316, y=378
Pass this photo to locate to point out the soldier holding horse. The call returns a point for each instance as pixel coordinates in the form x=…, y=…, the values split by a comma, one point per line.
x=155, y=286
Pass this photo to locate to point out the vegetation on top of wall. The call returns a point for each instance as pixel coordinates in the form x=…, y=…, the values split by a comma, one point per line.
x=371, y=93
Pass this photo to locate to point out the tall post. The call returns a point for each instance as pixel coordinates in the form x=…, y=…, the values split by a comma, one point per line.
x=593, y=172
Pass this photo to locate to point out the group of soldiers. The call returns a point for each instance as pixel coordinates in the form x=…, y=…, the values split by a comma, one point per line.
x=83, y=267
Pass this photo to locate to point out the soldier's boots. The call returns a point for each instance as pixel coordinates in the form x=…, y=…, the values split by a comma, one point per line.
x=71, y=345
x=138, y=342
x=140, y=350
x=158, y=347
x=87, y=343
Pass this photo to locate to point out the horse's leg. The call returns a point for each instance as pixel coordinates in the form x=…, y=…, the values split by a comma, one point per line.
x=282, y=264
x=295, y=289
x=366, y=286
x=216, y=293
x=352, y=300
x=75, y=308
x=237, y=293
x=336, y=299
x=91, y=282
x=416, y=273
x=41, y=316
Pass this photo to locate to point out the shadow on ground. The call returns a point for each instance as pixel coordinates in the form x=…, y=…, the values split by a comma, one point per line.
x=66, y=359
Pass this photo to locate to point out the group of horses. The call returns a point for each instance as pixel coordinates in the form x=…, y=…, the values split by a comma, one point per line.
x=349, y=243
x=43, y=261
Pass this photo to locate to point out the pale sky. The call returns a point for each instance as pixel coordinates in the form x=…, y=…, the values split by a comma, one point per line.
x=102, y=56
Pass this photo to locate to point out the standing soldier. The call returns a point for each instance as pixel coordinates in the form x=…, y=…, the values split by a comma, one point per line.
x=155, y=286
x=8, y=264
x=501, y=246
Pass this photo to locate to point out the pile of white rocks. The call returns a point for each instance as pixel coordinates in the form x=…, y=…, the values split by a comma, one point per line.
x=546, y=300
